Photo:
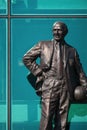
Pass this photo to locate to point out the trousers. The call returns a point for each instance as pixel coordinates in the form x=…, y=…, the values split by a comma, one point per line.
x=55, y=106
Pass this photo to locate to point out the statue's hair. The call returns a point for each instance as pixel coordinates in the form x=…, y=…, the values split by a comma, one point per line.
x=64, y=26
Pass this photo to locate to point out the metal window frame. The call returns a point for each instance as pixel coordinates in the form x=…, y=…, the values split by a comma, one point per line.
x=8, y=16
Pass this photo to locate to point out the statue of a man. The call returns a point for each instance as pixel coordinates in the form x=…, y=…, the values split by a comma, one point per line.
x=58, y=74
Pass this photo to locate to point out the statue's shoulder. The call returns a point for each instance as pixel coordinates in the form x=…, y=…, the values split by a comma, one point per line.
x=46, y=43
x=71, y=48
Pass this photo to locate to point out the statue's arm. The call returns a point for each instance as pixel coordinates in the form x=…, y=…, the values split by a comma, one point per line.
x=30, y=57
x=80, y=71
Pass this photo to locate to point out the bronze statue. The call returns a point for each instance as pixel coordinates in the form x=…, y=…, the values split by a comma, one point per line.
x=58, y=74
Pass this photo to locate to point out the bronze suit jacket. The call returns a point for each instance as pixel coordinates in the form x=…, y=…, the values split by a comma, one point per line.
x=44, y=50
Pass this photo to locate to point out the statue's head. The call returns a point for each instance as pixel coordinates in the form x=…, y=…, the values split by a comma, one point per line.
x=59, y=30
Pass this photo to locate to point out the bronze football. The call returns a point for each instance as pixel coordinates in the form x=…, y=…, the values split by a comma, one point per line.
x=79, y=93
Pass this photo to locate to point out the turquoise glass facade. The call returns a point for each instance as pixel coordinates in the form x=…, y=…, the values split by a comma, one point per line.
x=49, y=7
x=25, y=104
x=20, y=22
x=3, y=86
x=3, y=7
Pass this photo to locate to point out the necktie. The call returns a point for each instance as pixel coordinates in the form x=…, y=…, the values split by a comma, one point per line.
x=59, y=61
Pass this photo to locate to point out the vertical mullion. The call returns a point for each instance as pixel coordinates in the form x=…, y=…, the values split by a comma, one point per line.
x=9, y=70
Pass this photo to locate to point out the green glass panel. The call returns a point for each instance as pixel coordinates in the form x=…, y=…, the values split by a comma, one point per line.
x=3, y=101
x=26, y=32
x=49, y=7
x=3, y=6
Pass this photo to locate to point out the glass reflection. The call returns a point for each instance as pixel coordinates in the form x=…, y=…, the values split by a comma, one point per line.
x=49, y=7
x=3, y=103
x=26, y=33
x=3, y=6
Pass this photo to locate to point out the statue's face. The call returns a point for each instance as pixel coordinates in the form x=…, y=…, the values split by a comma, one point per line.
x=58, y=32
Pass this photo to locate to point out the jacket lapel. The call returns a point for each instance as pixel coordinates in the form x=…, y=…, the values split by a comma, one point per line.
x=47, y=54
x=66, y=54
